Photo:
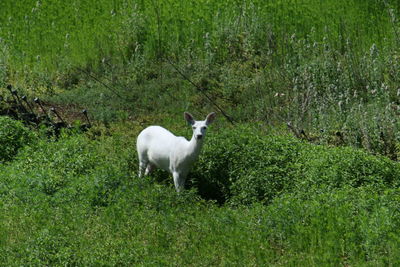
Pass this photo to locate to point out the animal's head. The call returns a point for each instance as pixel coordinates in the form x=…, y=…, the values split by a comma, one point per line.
x=199, y=127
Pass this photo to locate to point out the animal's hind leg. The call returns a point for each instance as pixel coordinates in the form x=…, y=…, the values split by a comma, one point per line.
x=142, y=167
x=149, y=168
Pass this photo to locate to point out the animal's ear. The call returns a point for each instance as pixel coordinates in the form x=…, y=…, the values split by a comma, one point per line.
x=189, y=118
x=210, y=118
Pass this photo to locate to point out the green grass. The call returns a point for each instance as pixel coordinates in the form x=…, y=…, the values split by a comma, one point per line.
x=46, y=40
x=257, y=195
x=325, y=66
x=78, y=201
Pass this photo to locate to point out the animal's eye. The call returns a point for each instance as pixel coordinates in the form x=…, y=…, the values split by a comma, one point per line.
x=194, y=127
x=204, y=127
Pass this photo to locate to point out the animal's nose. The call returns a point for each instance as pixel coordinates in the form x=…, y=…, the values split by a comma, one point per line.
x=199, y=136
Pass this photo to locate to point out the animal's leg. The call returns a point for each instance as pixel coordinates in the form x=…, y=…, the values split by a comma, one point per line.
x=149, y=168
x=142, y=167
x=179, y=181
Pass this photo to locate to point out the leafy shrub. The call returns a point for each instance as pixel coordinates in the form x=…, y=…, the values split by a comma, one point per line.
x=47, y=170
x=73, y=168
x=344, y=166
x=68, y=156
x=243, y=165
x=13, y=136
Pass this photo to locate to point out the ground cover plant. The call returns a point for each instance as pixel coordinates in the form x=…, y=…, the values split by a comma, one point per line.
x=300, y=167
x=13, y=136
x=78, y=201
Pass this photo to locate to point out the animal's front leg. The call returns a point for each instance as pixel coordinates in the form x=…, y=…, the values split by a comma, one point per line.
x=179, y=181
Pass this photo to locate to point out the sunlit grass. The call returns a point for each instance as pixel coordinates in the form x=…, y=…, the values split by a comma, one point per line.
x=254, y=198
x=78, y=201
x=53, y=36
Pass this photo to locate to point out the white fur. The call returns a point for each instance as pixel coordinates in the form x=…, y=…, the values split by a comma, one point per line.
x=158, y=147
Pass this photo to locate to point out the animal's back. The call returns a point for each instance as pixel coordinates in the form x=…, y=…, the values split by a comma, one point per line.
x=155, y=144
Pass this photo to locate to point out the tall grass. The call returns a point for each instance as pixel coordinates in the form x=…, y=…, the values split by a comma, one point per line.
x=52, y=36
x=325, y=66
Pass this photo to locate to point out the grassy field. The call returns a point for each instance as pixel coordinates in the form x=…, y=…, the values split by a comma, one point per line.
x=77, y=201
x=322, y=192
x=324, y=66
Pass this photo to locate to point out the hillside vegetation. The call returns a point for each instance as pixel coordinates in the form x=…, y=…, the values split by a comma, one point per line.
x=322, y=192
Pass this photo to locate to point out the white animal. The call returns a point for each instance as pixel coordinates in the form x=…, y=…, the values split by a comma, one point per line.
x=158, y=147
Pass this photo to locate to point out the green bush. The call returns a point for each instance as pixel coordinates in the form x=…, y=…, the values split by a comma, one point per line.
x=345, y=166
x=244, y=165
x=13, y=136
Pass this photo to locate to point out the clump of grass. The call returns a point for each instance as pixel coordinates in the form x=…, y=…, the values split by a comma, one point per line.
x=13, y=137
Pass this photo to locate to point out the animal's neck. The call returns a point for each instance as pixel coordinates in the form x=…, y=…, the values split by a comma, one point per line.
x=195, y=146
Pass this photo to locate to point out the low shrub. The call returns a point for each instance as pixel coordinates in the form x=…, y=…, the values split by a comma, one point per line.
x=13, y=136
x=73, y=168
x=345, y=166
x=244, y=165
